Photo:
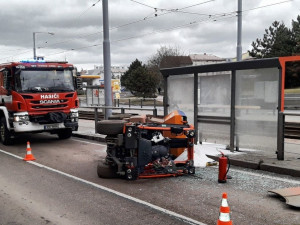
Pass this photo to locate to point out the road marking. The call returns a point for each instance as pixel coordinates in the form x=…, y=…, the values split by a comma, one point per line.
x=158, y=208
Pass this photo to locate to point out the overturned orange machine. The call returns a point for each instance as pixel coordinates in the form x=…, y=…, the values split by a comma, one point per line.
x=144, y=147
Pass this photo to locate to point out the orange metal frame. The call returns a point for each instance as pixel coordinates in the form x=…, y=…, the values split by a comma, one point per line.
x=283, y=61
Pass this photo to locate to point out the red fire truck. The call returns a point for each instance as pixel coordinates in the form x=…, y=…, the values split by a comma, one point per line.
x=37, y=96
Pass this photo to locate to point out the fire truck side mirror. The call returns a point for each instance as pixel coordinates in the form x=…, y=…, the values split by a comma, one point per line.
x=7, y=81
x=75, y=78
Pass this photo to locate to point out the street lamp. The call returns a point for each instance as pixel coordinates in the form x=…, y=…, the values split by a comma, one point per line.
x=34, y=50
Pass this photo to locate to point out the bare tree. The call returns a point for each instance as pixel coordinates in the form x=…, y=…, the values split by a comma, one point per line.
x=154, y=62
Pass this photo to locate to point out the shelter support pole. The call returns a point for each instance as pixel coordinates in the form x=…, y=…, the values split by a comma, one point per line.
x=232, y=110
x=281, y=121
x=280, y=136
x=196, y=106
x=165, y=100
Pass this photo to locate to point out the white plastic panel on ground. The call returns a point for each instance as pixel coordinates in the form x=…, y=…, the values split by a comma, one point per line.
x=256, y=108
x=181, y=95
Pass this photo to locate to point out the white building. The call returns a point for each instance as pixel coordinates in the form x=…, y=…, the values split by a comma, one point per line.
x=96, y=75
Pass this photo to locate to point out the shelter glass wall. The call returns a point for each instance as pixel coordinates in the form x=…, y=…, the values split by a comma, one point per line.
x=214, y=101
x=181, y=95
x=214, y=94
x=256, y=108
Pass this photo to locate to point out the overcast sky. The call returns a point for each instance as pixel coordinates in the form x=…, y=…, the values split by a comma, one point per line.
x=138, y=28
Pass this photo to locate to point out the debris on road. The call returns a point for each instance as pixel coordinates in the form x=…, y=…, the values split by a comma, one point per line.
x=291, y=195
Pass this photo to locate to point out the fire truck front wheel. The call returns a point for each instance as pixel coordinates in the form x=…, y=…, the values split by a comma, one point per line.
x=5, y=135
x=64, y=134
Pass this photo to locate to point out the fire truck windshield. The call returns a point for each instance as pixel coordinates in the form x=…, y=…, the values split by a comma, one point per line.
x=34, y=80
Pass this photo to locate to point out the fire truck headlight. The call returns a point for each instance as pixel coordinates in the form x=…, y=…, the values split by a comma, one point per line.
x=21, y=118
x=74, y=114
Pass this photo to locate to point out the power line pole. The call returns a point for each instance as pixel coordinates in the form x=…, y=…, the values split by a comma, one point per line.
x=106, y=60
x=239, y=32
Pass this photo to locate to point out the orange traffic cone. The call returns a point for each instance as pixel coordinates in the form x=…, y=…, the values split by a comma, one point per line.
x=28, y=156
x=224, y=217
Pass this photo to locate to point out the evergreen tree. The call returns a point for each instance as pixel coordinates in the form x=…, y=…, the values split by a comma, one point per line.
x=296, y=35
x=139, y=80
x=277, y=41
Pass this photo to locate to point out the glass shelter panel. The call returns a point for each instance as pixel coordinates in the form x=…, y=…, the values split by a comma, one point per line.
x=214, y=95
x=256, y=108
x=181, y=95
x=213, y=105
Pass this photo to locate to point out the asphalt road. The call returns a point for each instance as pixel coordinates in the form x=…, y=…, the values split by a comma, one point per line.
x=63, y=188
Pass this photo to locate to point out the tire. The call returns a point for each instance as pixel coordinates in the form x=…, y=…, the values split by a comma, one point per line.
x=64, y=134
x=106, y=171
x=5, y=134
x=110, y=127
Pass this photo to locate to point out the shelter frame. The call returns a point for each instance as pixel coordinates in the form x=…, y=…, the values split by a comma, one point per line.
x=234, y=67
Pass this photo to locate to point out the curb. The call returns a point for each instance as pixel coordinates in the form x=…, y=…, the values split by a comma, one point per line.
x=280, y=170
x=89, y=137
x=259, y=165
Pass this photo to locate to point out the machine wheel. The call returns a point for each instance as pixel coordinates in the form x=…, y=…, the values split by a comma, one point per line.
x=5, y=135
x=64, y=134
x=106, y=171
x=110, y=127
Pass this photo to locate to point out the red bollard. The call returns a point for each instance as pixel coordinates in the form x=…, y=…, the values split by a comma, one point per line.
x=222, y=169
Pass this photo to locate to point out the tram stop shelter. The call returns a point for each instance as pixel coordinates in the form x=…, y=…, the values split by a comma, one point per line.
x=241, y=104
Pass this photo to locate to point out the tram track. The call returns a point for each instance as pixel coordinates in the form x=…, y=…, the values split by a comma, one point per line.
x=292, y=130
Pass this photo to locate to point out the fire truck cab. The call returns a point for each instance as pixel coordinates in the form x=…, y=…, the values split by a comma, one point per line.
x=37, y=96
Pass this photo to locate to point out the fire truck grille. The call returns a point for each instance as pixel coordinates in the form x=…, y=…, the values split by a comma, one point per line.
x=49, y=106
x=38, y=102
x=52, y=104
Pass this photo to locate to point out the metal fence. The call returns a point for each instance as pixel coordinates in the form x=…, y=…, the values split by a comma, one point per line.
x=94, y=99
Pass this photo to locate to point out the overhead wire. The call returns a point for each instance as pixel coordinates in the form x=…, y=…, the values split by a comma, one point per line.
x=159, y=31
x=146, y=34
x=211, y=17
x=88, y=8
x=21, y=53
x=167, y=12
x=133, y=22
x=113, y=28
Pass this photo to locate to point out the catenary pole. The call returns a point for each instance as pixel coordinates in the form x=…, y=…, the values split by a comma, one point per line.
x=239, y=32
x=106, y=60
x=34, y=51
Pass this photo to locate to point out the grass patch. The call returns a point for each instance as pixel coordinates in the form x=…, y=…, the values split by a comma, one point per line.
x=292, y=91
